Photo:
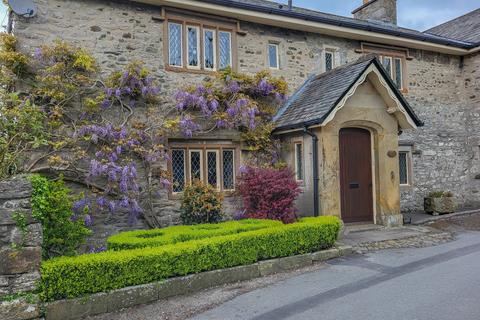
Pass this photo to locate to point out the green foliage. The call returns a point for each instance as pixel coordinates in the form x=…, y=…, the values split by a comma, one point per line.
x=13, y=64
x=30, y=297
x=63, y=232
x=21, y=223
x=440, y=194
x=171, y=235
x=21, y=130
x=68, y=277
x=201, y=204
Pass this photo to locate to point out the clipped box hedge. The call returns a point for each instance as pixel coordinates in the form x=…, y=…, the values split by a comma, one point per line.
x=68, y=277
x=171, y=235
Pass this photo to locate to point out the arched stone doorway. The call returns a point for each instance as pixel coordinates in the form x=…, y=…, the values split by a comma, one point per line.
x=356, y=179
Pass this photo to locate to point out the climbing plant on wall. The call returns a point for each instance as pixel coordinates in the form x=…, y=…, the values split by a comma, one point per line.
x=60, y=114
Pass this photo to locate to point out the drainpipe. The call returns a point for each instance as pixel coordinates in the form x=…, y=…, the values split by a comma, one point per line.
x=316, y=179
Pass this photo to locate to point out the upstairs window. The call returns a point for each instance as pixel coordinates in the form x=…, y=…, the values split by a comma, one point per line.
x=175, y=44
x=273, y=62
x=393, y=66
x=394, y=60
x=193, y=45
x=215, y=166
x=329, y=60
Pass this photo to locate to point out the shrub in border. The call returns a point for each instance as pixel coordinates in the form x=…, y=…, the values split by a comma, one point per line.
x=201, y=203
x=170, y=235
x=269, y=193
x=68, y=277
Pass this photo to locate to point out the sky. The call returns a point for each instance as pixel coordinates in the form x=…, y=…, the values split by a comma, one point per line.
x=414, y=14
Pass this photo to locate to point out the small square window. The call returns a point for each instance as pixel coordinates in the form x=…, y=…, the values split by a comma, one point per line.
x=273, y=62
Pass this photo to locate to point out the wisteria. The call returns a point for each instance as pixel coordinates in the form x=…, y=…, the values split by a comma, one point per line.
x=129, y=86
x=233, y=101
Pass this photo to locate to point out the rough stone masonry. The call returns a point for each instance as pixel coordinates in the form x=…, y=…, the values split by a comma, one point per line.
x=443, y=89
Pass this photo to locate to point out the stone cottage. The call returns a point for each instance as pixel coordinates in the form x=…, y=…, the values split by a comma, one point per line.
x=368, y=136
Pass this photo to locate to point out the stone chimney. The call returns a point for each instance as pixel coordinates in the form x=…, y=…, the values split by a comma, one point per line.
x=377, y=10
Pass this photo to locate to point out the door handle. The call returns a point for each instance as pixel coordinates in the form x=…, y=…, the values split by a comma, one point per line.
x=354, y=185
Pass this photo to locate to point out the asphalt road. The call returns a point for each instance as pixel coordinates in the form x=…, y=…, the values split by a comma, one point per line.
x=438, y=283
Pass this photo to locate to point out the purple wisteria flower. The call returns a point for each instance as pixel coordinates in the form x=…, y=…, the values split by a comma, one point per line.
x=38, y=53
x=188, y=126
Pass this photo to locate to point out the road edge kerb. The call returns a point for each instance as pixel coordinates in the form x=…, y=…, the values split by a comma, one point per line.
x=98, y=303
x=446, y=216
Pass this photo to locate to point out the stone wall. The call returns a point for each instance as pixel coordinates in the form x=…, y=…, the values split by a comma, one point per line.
x=20, y=252
x=117, y=32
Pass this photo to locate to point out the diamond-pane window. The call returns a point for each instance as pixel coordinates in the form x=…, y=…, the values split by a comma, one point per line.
x=178, y=170
x=193, y=44
x=175, y=44
x=328, y=61
x=224, y=42
x=387, y=64
x=209, y=49
x=228, y=170
x=398, y=72
x=403, y=164
x=212, y=171
x=195, y=165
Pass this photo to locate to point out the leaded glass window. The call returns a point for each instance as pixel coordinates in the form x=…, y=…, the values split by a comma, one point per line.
x=387, y=64
x=403, y=164
x=209, y=49
x=228, y=169
x=273, y=55
x=178, y=170
x=398, y=72
x=212, y=169
x=299, y=161
x=214, y=166
x=328, y=61
x=195, y=165
x=225, y=47
x=175, y=44
x=193, y=40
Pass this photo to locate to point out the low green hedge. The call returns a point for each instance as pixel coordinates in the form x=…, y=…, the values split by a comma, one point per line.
x=68, y=277
x=171, y=235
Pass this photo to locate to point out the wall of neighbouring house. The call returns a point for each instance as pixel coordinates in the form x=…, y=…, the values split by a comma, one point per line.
x=471, y=82
x=118, y=32
x=20, y=250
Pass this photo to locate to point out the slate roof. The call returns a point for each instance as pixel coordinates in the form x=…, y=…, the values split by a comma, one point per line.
x=464, y=28
x=317, y=97
x=276, y=8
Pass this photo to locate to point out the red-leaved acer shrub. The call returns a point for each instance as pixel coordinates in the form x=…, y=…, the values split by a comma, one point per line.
x=268, y=193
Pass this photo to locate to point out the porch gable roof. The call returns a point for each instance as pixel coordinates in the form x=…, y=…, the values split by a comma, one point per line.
x=317, y=99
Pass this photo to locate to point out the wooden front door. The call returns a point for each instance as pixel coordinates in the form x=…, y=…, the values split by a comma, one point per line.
x=356, y=175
